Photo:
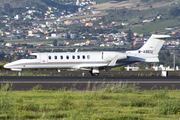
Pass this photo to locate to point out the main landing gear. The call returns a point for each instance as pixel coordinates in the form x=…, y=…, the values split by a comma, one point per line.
x=94, y=72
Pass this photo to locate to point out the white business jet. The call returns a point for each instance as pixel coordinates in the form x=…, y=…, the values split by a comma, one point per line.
x=91, y=61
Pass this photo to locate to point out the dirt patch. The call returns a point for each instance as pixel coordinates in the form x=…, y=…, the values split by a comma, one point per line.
x=114, y=2
x=112, y=5
x=129, y=4
x=158, y=4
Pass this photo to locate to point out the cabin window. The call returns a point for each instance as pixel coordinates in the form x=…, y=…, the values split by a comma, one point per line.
x=73, y=57
x=49, y=57
x=78, y=57
x=30, y=57
x=83, y=56
x=67, y=57
x=61, y=57
x=55, y=57
x=33, y=56
x=88, y=57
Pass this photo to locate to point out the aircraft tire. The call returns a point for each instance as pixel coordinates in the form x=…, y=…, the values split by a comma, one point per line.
x=94, y=74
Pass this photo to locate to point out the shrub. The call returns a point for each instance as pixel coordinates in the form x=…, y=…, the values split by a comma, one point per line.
x=141, y=103
x=37, y=87
x=29, y=107
x=53, y=88
x=161, y=94
x=6, y=86
x=65, y=104
x=6, y=105
x=169, y=106
x=118, y=87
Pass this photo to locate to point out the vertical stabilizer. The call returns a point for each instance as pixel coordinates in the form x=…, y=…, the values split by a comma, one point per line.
x=154, y=44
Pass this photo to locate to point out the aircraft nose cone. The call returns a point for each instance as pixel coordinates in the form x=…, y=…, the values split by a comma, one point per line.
x=6, y=66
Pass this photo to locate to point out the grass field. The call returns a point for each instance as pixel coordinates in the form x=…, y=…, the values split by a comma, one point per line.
x=156, y=26
x=32, y=41
x=44, y=41
x=119, y=4
x=104, y=102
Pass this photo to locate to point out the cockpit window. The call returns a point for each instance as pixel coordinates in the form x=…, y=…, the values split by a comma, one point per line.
x=30, y=57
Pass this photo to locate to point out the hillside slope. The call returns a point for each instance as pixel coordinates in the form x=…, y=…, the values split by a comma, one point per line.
x=135, y=4
x=33, y=3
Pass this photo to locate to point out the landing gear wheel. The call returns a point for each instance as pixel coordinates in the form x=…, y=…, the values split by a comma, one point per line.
x=94, y=74
x=19, y=73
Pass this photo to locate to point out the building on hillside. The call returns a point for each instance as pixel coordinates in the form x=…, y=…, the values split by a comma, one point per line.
x=119, y=43
x=138, y=42
x=32, y=51
x=136, y=34
x=17, y=17
x=89, y=24
x=72, y=36
x=101, y=23
x=49, y=23
x=68, y=22
x=176, y=33
x=20, y=50
x=91, y=42
x=15, y=37
x=129, y=68
x=161, y=67
x=10, y=44
x=109, y=38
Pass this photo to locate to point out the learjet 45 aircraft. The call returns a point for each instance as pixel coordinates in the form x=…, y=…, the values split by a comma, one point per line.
x=91, y=61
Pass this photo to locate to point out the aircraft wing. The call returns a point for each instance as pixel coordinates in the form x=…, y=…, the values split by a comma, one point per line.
x=104, y=65
x=88, y=67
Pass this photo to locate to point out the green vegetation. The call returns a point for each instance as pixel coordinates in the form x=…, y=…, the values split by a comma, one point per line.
x=105, y=102
x=156, y=26
x=154, y=1
x=104, y=1
x=18, y=6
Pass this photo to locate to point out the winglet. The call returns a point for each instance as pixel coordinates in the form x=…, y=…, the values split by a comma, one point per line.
x=113, y=62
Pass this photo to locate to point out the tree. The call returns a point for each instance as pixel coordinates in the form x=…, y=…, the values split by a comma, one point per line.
x=174, y=11
x=23, y=36
x=129, y=35
x=2, y=25
x=114, y=31
x=122, y=38
x=7, y=7
x=55, y=42
x=102, y=38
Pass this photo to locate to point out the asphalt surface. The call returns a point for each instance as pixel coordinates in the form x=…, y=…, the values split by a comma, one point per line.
x=81, y=83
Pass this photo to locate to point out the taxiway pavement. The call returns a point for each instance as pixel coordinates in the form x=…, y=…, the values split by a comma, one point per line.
x=80, y=83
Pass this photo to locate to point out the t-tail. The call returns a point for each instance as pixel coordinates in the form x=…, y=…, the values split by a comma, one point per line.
x=149, y=51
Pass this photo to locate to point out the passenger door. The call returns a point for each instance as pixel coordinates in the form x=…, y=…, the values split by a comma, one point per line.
x=43, y=57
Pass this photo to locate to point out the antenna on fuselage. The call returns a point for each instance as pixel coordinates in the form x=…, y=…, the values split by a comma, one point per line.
x=76, y=50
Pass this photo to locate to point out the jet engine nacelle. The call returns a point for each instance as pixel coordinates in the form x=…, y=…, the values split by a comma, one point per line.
x=110, y=55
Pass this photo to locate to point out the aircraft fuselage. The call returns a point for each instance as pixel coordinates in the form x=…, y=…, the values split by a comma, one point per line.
x=74, y=60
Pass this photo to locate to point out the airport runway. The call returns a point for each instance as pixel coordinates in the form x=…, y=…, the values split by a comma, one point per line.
x=80, y=83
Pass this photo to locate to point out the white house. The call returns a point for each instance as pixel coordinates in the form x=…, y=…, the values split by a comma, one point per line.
x=17, y=17
x=10, y=44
